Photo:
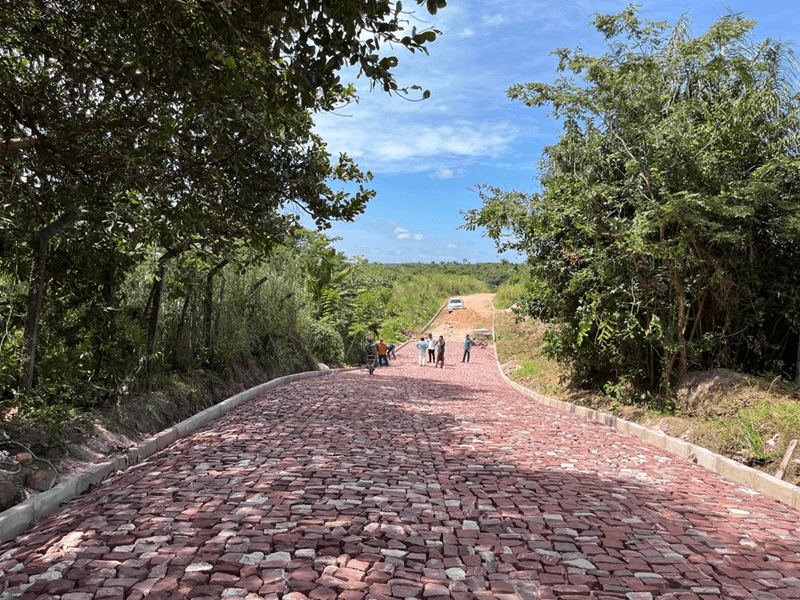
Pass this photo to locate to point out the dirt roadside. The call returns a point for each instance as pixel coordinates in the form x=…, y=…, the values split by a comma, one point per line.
x=475, y=319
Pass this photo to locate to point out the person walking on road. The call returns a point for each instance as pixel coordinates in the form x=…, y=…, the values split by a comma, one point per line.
x=467, y=345
x=440, y=352
x=371, y=347
x=431, y=349
x=423, y=346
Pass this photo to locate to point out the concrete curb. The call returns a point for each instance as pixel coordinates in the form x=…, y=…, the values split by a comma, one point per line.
x=730, y=469
x=20, y=517
x=429, y=323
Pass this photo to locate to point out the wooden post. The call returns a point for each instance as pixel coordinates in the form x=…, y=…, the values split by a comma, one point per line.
x=786, y=457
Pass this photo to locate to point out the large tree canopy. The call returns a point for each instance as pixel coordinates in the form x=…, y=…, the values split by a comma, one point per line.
x=666, y=234
x=187, y=102
x=133, y=124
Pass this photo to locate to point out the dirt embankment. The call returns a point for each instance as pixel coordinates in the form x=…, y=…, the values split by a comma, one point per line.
x=475, y=317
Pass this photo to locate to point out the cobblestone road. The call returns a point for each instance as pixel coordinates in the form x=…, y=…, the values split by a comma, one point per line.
x=413, y=483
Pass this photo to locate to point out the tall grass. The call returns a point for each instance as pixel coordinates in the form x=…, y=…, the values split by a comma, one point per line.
x=508, y=294
x=519, y=348
x=747, y=431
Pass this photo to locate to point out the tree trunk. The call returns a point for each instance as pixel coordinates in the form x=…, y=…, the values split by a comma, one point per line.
x=155, y=309
x=258, y=284
x=35, y=298
x=220, y=302
x=38, y=280
x=209, y=301
x=250, y=304
x=155, y=298
x=182, y=321
x=145, y=318
x=680, y=299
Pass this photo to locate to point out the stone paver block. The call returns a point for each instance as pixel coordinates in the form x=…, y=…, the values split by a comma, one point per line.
x=411, y=483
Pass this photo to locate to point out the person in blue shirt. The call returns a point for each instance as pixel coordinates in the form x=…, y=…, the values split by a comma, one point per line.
x=467, y=345
x=422, y=345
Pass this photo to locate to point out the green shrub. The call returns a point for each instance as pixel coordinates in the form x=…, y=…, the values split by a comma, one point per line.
x=325, y=343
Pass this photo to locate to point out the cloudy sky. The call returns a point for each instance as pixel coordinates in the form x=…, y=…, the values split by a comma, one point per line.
x=427, y=157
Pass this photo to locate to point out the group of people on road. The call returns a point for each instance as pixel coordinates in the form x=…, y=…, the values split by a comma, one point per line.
x=430, y=347
x=434, y=348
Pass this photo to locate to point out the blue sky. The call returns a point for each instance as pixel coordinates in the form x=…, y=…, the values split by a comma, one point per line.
x=426, y=156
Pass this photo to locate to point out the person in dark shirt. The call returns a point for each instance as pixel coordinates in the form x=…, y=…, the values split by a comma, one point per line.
x=440, y=352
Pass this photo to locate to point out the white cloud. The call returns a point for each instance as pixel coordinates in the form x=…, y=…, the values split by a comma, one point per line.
x=493, y=20
x=390, y=145
x=448, y=173
x=392, y=229
x=468, y=117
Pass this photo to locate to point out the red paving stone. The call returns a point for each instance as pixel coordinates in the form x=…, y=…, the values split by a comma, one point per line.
x=415, y=482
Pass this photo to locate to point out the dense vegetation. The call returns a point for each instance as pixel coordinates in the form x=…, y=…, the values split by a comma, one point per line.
x=147, y=150
x=304, y=305
x=666, y=235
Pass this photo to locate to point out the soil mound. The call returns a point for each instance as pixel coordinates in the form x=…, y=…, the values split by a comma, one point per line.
x=466, y=316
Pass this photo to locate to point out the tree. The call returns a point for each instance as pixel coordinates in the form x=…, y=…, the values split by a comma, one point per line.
x=665, y=237
x=137, y=122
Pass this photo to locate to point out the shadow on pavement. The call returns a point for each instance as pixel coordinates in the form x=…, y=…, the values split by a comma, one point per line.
x=471, y=488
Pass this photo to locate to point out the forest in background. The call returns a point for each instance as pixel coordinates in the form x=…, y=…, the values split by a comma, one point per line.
x=221, y=325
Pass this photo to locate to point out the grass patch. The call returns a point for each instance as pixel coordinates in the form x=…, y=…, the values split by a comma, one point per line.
x=507, y=295
x=519, y=346
x=757, y=435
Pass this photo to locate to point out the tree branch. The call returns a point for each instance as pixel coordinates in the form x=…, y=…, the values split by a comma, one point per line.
x=17, y=144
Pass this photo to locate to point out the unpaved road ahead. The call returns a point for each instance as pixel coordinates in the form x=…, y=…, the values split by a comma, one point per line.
x=476, y=315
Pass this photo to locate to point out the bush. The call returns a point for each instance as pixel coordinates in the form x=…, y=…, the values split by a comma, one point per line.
x=325, y=343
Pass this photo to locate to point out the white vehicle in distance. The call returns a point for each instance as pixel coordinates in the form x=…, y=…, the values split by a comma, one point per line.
x=455, y=304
